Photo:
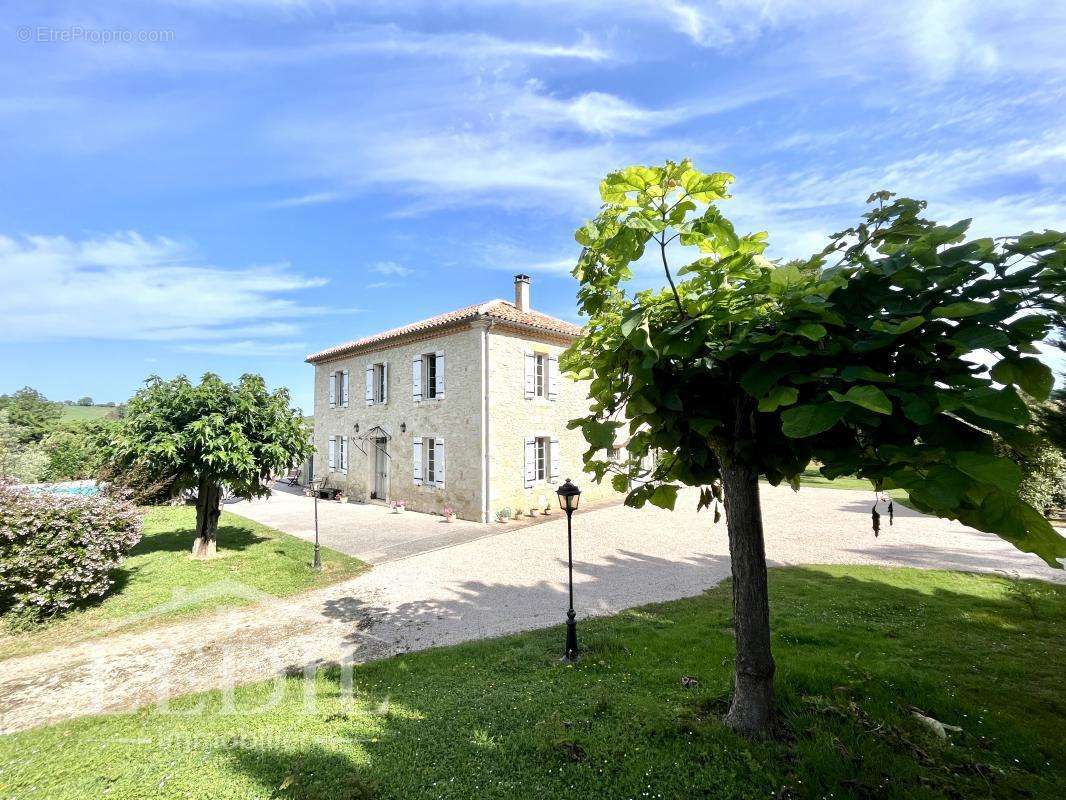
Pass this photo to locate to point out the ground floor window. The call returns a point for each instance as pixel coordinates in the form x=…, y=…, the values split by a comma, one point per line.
x=543, y=458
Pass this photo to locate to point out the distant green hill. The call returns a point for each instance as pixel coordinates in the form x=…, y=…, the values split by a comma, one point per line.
x=84, y=413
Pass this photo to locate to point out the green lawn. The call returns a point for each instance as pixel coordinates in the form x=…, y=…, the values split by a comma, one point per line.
x=85, y=413
x=158, y=581
x=857, y=649
x=813, y=478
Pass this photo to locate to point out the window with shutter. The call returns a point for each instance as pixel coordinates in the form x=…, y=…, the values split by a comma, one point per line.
x=438, y=449
x=429, y=361
x=540, y=374
x=440, y=373
x=530, y=383
x=429, y=447
x=530, y=462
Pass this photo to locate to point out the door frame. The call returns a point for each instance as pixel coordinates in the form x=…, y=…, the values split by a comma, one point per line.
x=380, y=468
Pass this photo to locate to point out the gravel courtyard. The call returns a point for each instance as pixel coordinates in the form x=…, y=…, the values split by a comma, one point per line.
x=507, y=581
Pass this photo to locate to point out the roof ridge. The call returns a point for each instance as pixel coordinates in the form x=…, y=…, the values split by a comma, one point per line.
x=497, y=308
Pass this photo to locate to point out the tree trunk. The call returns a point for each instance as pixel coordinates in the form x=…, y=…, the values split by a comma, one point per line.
x=207, y=514
x=754, y=667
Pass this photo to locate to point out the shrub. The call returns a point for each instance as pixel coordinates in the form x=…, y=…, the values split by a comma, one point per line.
x=1043, y=478
x=58, y=552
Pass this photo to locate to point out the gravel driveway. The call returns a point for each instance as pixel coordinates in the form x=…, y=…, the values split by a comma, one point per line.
x=511, y=581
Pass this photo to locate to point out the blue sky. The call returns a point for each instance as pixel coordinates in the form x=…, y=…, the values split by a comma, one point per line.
x=228, y=186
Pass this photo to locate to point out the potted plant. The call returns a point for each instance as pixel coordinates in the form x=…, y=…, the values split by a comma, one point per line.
x=545, y=504
x=449, y=513
x=398, y=506
x=503, y=515
x=342, y=496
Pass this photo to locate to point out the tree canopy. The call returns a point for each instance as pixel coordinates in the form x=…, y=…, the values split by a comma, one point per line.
x=212, y=435
x=871, y=365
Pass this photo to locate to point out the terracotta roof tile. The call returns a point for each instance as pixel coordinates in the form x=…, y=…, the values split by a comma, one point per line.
x=500, y=310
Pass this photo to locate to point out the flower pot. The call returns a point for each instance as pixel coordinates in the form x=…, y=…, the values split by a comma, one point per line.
x=449, y=517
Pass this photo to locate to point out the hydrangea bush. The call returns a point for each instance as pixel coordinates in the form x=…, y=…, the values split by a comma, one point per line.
x=58, y=552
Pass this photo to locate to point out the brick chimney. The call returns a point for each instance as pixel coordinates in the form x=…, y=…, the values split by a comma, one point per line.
x=521, y=292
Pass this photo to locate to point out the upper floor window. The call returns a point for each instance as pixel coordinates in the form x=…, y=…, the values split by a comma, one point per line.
x=338, y=388
x=427, y=376
x=377, y=383
x=541, y=375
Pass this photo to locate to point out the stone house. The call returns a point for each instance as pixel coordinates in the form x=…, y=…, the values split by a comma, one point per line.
x=467, y=409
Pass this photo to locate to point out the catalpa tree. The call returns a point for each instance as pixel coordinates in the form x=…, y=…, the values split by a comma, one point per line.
x=209, y=436
x=863, y=359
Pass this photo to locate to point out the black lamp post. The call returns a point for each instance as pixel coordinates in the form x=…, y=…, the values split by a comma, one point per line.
x=318, y=551
x=569, y=498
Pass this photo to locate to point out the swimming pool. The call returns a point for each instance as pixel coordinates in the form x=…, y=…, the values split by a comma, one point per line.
x=80, y=489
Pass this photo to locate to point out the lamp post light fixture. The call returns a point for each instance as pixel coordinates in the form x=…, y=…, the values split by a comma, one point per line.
x=569, y=499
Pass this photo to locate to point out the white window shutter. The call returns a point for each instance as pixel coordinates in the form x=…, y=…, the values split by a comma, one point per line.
x=531, y=374
x=370, y=385
x=553, y=377
x=416, y=379
x=531, y=463
x=385, y=382
x=344, y=389
x=438, y=453
x=333, y=390
x=332, y=454
x=553, y=453
x=416, y=449
x=440, y=374
x=344, y=454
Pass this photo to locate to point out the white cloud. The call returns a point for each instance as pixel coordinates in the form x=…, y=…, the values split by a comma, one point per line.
x=127, y=287
x=381, y=285
x=391, y=268
x=245, y=348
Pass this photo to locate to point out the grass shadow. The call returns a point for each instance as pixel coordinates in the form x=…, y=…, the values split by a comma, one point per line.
x=230, y=537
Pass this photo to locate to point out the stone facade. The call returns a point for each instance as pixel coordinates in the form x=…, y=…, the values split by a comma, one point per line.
x=484, y=420
x=454, y=418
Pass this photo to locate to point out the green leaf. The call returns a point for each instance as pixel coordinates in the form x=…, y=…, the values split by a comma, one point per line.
x=917, y=410
x=779, y=396
x=631, y=321
x=966, y=308
x=865, y=374
x=1003, y=404
x=869, y=397
x=812, y=330
x=1032, y=375
x=807, y=420
x=664, y=496
x=907, y=325
x=1004, y=514
x=994, y=470
x=757, y=380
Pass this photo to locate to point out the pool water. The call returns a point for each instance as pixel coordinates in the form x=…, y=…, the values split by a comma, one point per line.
x=83, y=491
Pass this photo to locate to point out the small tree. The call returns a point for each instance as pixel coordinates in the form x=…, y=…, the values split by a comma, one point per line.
x=85, y=401
x=33, y=414
x=209, y=436
x=743, y=368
